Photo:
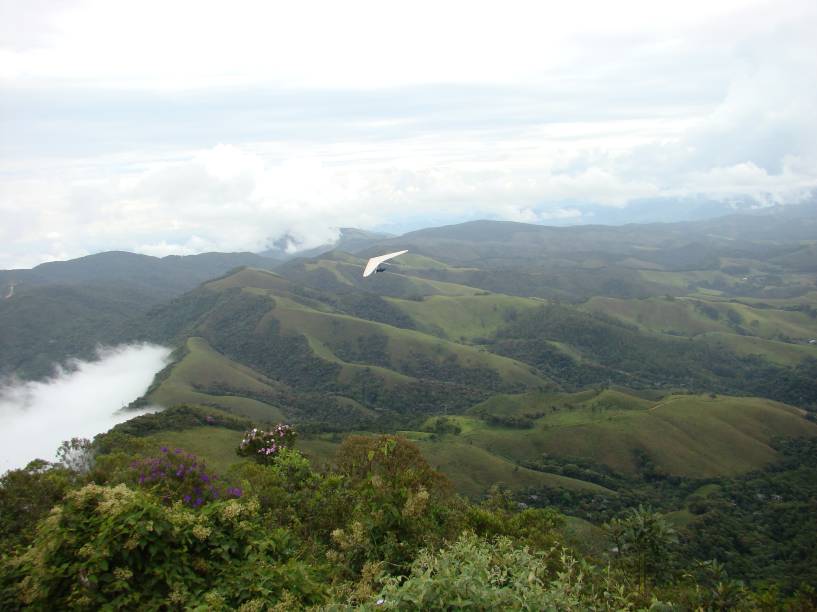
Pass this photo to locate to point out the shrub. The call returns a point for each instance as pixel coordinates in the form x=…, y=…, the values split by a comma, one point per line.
x=477, y=574
x=179, y=476
x=77, y=454
x=26, y=495
x=399, y=504
x=292, y=494
x=264, y=446
x=499, y=515
x=119, y=548
x=644, y=542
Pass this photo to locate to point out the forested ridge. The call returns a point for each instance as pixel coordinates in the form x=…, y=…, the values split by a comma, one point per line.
x=511, y=417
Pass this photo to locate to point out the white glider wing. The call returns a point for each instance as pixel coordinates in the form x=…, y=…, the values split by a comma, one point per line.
x=374, y=262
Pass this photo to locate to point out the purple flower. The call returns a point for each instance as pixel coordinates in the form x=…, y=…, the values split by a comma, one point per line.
x=187, y=499
x=199, y=502
x=164, y=449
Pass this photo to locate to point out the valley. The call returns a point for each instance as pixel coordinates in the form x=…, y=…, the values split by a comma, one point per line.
x=653, y=368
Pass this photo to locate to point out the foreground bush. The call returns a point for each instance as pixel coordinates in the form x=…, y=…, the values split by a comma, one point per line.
x=477, y=574
x=179, y=476
x=398, y=504
x=26, y=495
x=121, y=548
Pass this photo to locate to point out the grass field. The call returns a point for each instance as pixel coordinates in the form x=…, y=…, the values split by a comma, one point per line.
x=658, y=315
x=398, y=281
x=251, y=277
x=472, y=469
x=739, y=327
x=562, y=408
x=465, y=317
x=204, y=366
x=781, y=353
x=216, y=445
x=329, y=333
x=685, y=435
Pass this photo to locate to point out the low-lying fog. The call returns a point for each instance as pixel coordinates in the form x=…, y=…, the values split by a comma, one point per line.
x=35, y=417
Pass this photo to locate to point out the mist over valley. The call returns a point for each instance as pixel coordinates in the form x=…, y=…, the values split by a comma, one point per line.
x=82, y=401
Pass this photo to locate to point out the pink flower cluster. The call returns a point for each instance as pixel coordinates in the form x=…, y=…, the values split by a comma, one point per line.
x=265, y=445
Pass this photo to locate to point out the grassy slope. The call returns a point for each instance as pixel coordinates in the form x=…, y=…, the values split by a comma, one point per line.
x=332, y=330
x=464, y=317
x=691, y=436
x=252, y=277
x=472, y=469
x=657, y=314
x=397, y=281
x=684, y=435
x=761, y=327
x=781, y=353
x=325, y=330
x=215, y=444
x=695, y=436
x=204, y=366
x=475, y=470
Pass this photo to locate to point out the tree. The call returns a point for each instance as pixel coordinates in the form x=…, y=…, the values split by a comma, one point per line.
x=643, y=540
x=77, y=454
x=26, y=495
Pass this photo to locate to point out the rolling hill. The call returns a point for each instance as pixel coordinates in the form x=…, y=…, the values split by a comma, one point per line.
x=682, y=435
x=593, y=343
x=261, y=337
x=61, y=310
x=520, y=378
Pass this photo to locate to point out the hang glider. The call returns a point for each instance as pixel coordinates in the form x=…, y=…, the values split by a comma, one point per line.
x=377, y=264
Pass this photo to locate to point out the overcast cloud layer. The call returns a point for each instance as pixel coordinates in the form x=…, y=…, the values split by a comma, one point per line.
x=35, y=417
x=185, y=127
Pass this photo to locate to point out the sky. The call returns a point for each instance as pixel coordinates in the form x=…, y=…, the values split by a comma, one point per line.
x=184, y=127
x=35, y=417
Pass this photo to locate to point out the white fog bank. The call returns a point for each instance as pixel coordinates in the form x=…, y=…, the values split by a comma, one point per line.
x=35, y=417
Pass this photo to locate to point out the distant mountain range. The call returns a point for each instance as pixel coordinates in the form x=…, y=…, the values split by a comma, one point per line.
x=59, y=310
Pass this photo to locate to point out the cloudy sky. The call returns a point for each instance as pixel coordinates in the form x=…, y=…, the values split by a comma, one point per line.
x=182, y=127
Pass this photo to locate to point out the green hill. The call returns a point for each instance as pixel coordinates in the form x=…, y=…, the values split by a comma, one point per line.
x=264, y=346
x=201, y=369
x=464, y=318
x=64, y=309
x=684, y=435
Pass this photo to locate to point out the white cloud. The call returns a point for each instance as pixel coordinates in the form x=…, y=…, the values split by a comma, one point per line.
x=365, y=114
x=35, y=417
x=795, y=183
x=361, y=43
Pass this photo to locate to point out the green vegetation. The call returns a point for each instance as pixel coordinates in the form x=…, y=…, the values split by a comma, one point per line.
x=681, y=435
x=381, y=528
x=511, y=416
x=464, y=318
x=66, y=309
